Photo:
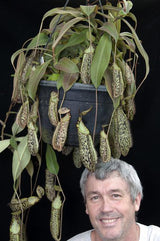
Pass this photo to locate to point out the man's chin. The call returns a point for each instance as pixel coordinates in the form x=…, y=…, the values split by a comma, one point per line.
x=111, y=232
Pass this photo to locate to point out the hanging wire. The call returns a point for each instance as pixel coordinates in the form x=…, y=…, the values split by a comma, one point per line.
x=87, y=2
x=100, y=4
x=101, y=7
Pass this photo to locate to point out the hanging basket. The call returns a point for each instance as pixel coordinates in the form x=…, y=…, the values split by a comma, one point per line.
x=79, y=98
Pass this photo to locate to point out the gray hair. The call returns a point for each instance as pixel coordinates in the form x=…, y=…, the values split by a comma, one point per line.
x=126, y=171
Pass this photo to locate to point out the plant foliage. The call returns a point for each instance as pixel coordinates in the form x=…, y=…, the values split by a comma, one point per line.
x=92, y=45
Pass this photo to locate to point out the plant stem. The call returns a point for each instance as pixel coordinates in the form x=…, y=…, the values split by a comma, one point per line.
x=95, y=120
x=5, y=121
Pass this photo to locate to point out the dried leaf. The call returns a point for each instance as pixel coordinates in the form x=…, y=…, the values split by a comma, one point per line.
x=20, y=54
x=69, y=80
x=67, y=65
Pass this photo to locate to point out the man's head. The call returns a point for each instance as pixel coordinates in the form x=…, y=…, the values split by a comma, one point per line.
x=105, y=169
x=112, y=195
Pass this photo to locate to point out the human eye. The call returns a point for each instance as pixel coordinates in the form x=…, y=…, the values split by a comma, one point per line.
x=116, y=196
x=94, y=198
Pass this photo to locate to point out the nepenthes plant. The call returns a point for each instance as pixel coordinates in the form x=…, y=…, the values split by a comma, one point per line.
x=93, y=45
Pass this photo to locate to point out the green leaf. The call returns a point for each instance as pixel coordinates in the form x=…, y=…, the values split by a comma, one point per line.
x=65, y=28
x=35, y=77
x=16, y=129
x=110, y=28
x=85, y=112
x=128, y=38
x=140, y=48
x=127, y=7
x=133, y=17
x=115, y=16
x=21, y=158
x=67, y=65
x=101, y=59
x=30, y=169
x=60, y=80
x=68, y=11
x=19, y=139
x=75, y=39
x=13, y=143
x=40, y=40
x=51, y=160
x=53, y=77
x=4, y=144
x=88, y=10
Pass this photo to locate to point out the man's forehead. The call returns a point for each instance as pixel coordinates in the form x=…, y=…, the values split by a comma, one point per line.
x=107, y=175
x=114, y=176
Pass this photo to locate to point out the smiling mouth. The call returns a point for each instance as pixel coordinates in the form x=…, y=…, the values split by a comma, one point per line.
x=109, y=221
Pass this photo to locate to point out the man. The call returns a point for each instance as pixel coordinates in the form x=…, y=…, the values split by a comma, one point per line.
x=112, y=197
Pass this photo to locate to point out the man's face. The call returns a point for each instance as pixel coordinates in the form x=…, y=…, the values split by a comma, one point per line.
x=109, y=206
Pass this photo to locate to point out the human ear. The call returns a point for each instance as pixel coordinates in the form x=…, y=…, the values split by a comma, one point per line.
x=86, y=209
x=137, y=202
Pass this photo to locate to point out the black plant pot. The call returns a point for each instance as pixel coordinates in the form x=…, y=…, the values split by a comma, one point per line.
x=79, y=98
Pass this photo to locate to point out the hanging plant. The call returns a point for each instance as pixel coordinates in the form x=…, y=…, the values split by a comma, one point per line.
x=90, y=45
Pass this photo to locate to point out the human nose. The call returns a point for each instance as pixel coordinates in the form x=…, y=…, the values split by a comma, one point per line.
x=106, y=205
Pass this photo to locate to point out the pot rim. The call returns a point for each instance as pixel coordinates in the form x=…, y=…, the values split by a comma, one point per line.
x=79, y=86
